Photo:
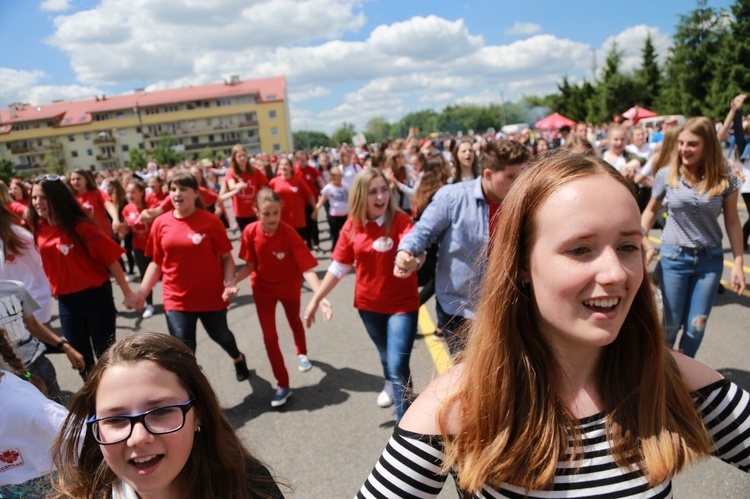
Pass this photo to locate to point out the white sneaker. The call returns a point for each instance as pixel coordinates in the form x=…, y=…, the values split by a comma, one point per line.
x=385, y=398
x=148, y=312
x=304, y=363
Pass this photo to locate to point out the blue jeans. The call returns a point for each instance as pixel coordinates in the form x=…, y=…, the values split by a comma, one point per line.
x=689, y=281
x=394, y=335
x=182, y=325
x=453, y=327
x=88, y=317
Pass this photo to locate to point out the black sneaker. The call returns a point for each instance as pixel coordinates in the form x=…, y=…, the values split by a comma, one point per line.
x=240, y=369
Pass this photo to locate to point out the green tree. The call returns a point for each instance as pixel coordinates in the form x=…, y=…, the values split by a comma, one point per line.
x=7, y=170
x=54, y=158
x=732, y=71
x=343, y=134
x=377, y=129
x=206, y=153
x=136, y=159
x=692, y=63
x=310, y=139
x=616, y=91
x=164, y=154
x=649, y=75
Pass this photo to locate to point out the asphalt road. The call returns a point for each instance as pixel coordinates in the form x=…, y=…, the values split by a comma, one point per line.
x=326, y=439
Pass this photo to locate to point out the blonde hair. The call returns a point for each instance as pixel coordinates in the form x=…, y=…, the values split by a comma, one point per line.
x=715, y=175
x=358, y=201
x=511, y=425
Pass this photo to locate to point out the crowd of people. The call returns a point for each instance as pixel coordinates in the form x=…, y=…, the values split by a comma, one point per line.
x=535, y=247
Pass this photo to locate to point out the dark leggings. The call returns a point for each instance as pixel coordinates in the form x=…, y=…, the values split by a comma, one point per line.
x=335, y=223
x=312, y=236
x=182, y=325
x=746, y=227
x=243, y=222
x=142, y=261
x=88, y=318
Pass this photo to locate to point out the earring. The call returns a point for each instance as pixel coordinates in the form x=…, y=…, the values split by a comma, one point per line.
x=199, y=429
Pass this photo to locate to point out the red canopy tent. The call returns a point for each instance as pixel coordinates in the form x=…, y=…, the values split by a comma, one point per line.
x=554, y=121
x=642, y=113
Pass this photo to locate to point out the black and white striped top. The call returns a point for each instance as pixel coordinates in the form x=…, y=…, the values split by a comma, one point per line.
x=410, y=466
x=692, y=219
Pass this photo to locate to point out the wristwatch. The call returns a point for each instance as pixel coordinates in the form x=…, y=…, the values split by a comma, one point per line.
x=62, y=343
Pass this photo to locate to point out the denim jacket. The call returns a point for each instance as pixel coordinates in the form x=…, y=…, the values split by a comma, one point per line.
x=458, y=220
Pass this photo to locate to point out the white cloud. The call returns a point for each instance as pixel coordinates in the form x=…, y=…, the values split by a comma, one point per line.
x=15, y=83
x=630, y=41
x=55, y=5
x=47, y=93
x=523, y=29
x=310, y=93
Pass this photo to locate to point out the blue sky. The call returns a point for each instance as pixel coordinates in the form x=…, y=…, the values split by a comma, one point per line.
x=345, y=60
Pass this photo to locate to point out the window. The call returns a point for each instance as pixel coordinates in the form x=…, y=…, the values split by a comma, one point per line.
x=125, y=148
x=251, y=133
x=71, y=138
x=141, y=146
x=210, y=138
x=272, y=113
x=276, y=148
x=90, y=152
x=87, y=136
x=74, y=154
x=138, y=129
x=274, y=130
x=193, y=140
x=119, y=114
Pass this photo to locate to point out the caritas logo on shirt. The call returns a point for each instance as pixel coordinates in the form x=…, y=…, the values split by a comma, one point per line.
x=10, y=459
x=88, y=208
x=65, y=248
x=279, y=255
x=196, y=238
x=382, y=244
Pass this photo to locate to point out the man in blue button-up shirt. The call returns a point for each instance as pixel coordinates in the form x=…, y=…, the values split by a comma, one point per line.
x=458, y=219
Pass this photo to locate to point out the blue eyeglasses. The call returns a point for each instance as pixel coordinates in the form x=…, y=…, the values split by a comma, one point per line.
x=158, y=421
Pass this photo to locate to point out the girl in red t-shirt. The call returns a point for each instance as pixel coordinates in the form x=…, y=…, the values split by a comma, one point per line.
x=135, y=192
x=247, y=180
x=78, y=259
x=388, y=305
x=192, y=254
x=277, y=259
x=95, y=203
x=294, y=194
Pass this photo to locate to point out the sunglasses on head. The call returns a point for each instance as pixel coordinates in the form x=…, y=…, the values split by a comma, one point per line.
x=48, y=176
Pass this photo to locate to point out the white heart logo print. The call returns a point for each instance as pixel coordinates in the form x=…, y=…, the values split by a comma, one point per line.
x=382, y=244
x=196, y=238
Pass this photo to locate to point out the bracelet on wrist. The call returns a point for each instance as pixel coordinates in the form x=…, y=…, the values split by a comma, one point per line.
x=61, y=344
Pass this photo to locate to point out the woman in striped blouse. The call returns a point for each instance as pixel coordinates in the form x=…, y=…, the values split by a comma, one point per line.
x=566, y=388
x=698, y=186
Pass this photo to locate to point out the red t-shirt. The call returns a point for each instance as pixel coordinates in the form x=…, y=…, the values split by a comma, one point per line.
x=92, y=203
x=243, y=203
x=132, y=216
x=280, y=260
x=310, y=176
x=18, y=208
x=294, y=194
x=153, y=198
x=188, y=251
x=208, y=198
x=377, y=289
x=67, y=266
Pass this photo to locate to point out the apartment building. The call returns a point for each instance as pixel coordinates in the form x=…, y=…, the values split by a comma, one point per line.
x=98, y=133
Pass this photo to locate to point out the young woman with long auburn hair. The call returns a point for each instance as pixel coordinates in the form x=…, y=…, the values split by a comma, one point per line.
x=565, y=387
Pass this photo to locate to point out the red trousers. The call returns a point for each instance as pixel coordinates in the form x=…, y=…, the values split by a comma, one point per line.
x=266, y=307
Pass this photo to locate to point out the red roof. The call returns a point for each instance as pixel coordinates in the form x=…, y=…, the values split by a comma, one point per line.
x=80, y=112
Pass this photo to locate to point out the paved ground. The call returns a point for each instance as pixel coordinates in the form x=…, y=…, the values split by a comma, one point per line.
x=329, y=435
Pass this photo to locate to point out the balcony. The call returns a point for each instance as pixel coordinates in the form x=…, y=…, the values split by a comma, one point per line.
x=104, y=157
x=19, y=149
x=245, y=124
x=105, y=140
